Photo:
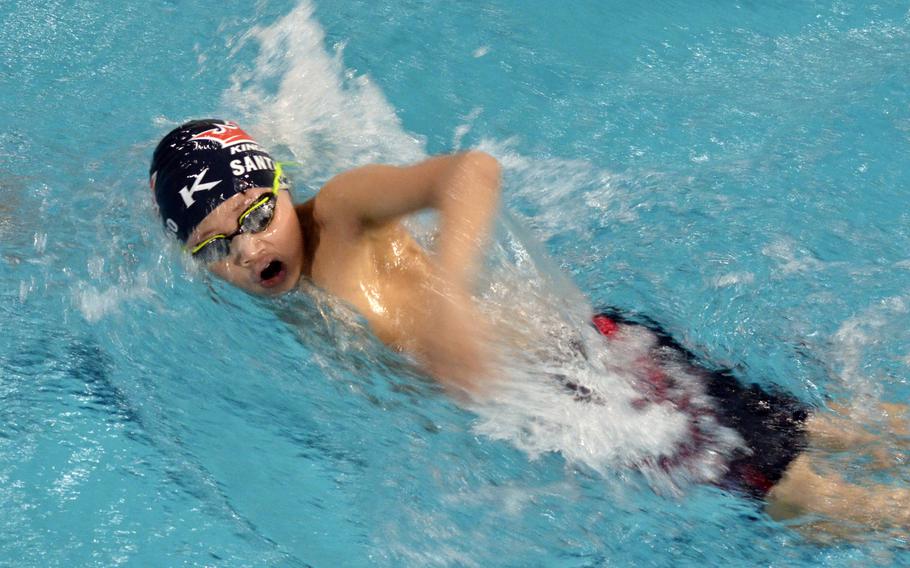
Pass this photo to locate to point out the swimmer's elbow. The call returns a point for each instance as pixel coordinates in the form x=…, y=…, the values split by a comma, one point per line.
x=484, y=168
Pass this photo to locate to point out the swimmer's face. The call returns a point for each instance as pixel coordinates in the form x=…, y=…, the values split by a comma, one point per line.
x=269, y=262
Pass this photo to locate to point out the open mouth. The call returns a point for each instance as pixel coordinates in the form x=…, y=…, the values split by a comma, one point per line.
x=272, y=273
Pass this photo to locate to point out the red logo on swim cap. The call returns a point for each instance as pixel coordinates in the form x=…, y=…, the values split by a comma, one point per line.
x=226, y=134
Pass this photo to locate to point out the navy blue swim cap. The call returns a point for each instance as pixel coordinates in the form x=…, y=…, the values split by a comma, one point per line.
x=199, y=165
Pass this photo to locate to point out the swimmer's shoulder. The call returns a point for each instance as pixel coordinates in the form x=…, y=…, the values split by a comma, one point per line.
x=337, y=245
x=334, y=211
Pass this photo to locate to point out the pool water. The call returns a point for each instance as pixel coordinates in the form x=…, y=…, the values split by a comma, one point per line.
x=736, y=171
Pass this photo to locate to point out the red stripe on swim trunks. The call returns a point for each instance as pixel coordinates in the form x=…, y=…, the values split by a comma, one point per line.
x=606, y=326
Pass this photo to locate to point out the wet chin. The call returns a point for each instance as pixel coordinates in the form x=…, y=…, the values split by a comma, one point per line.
x=276, y=290
x=273, y=289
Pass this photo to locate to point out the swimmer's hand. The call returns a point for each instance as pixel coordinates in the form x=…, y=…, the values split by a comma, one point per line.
x=452, y=344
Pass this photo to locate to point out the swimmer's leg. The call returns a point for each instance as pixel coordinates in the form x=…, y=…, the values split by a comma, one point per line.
x=803, y=490
x=832, y=431
x=895, y=417
x=828, y=431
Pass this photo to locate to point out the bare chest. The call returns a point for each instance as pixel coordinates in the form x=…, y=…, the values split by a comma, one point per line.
x=383, y=276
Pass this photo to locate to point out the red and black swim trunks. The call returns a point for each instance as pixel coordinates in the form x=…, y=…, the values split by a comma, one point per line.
x=770, y=421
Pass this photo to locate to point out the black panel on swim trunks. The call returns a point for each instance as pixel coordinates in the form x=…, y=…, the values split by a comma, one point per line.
x=201, y=164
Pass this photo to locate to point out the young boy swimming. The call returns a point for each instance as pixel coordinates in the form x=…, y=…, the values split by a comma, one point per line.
x=223, y=196
x=220, y=193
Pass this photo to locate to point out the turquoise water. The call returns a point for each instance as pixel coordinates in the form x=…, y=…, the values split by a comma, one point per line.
x=736, y=171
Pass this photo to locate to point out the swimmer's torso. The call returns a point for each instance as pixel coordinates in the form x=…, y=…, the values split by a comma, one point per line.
x=383, y=273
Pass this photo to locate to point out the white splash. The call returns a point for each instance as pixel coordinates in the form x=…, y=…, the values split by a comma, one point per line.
x=733, y=278
x=464, y=128
x=330, y=118
x=546, y=342
x=97, y=303
x=565, y=191
x=791, y=259
x=40, y=242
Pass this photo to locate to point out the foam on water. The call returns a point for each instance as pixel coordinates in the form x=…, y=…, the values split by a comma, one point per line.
x=560, y=193
x=95, y=303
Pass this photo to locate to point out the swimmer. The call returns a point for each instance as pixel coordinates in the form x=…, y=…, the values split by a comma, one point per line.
x=224, y=197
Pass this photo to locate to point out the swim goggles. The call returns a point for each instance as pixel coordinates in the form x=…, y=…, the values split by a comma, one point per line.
x=255, y=219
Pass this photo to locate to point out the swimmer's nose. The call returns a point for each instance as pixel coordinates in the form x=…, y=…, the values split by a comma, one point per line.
x=246, y=249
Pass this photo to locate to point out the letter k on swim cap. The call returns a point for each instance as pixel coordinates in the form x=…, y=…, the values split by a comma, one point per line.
x=199, y=165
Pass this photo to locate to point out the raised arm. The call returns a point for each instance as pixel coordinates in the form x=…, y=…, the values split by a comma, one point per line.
x=464, y=188
x=448, y=337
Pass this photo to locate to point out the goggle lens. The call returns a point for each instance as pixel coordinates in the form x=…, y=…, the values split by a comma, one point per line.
x=259, y=215
x=213, y=250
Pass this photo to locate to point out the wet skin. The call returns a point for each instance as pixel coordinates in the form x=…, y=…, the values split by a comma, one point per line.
x=349, y=241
